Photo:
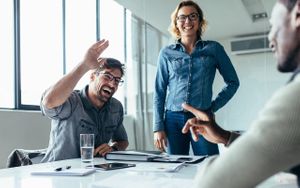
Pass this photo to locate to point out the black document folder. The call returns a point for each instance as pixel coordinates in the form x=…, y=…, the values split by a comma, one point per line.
x=151, y=156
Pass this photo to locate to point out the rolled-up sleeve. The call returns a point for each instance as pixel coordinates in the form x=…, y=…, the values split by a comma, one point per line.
x=60, y=112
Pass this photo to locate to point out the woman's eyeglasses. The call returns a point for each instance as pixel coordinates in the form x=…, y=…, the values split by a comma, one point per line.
x=192, y=17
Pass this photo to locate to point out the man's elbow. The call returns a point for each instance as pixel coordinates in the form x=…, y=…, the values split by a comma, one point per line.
x=48, y=102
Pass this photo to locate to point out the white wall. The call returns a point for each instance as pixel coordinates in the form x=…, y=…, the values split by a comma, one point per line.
x=144, y=10
x=21, y=129
x=30, y=130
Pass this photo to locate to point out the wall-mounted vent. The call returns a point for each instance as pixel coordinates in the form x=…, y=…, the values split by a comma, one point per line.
x=253, y=44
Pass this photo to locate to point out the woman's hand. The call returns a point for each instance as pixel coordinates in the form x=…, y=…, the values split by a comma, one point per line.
x=160, y=140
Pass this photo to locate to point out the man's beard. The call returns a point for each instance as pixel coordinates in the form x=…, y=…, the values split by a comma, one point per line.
x=99, y=95
x=290, y=64
x=102, y=98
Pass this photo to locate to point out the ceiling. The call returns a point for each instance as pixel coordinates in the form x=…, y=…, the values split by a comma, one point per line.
x=226, y=18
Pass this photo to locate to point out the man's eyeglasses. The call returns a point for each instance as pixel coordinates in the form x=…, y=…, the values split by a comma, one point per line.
x=192, y=17
x=109, y=77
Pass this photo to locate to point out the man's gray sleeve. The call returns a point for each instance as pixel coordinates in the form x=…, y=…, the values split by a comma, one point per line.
x=120, y=134
x=63, y=111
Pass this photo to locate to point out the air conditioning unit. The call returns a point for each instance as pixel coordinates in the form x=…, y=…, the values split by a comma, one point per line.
x=252, y=44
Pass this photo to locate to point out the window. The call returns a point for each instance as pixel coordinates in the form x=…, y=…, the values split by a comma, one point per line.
x=7, y=55
x=80, y=33
x=41, y=47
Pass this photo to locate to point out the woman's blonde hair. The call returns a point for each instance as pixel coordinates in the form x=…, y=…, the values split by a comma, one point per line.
x=173, y=26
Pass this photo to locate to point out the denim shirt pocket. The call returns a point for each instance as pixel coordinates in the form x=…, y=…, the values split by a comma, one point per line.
x=109, y=131
x=86, y=127
x=207, y=61
x=179, y=67
x=111, y=128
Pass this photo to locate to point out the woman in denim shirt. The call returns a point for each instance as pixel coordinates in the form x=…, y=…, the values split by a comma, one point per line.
x=185, y=74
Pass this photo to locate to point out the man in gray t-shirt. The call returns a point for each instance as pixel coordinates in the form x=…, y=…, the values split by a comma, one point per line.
x=91, y=110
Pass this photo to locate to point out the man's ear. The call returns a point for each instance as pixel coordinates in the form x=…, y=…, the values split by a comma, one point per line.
x=93, y=75
x=297, y=14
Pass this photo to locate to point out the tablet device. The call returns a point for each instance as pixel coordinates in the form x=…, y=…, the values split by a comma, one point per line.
x=111, y=166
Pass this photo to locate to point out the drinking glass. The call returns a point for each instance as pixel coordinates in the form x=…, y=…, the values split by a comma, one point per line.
x=87, y=147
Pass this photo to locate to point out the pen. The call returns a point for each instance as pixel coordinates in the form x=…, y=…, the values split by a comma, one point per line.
x=61, y=168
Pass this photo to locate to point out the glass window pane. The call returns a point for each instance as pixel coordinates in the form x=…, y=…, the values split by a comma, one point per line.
x=80, y=33
x=112, y=29
x=135, y=57
x=153, y=44
x=41, y=47
x=6, y=55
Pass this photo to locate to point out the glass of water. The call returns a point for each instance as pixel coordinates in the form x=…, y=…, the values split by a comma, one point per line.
x=87, y=147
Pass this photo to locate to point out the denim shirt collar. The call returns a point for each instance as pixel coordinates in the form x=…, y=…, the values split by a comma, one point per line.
x=87, y=103
x=178, y=45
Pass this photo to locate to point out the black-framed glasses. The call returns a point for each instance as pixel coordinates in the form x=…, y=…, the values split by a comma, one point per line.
x=192, y=17
x=109, y=77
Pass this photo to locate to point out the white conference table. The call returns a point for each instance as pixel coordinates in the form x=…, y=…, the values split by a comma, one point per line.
x=20, y=177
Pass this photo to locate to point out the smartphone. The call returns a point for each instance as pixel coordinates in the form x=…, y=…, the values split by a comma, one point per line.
x=111, y=166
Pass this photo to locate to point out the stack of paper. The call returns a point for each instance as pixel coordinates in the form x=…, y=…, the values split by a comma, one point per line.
x=152, y=157
x=68, y=172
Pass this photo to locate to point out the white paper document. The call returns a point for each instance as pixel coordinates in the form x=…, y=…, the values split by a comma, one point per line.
x=158, y=167
x=68, y=172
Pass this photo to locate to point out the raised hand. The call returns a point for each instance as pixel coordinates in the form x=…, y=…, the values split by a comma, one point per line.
x=92, y=58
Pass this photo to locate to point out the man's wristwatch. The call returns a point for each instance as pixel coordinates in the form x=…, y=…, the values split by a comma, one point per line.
x=114, y=148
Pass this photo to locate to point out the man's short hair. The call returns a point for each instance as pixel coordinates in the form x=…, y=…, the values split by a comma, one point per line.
x=111, y=63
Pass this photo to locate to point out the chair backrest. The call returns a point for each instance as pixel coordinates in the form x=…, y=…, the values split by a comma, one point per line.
x=21, y=157
x=296, y=170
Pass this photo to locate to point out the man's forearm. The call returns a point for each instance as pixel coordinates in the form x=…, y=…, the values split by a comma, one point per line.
x=59, y=93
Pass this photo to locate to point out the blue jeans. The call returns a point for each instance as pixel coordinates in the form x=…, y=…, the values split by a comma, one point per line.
x=179, y=143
